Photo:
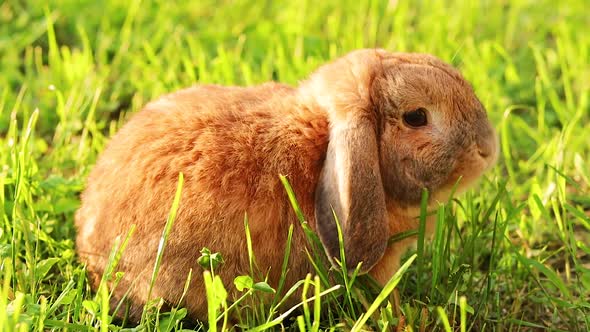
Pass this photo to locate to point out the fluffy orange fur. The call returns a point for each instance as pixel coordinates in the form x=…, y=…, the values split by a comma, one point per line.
x=231, y=143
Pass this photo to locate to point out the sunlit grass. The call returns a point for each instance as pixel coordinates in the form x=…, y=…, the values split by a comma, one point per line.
x=511, y=254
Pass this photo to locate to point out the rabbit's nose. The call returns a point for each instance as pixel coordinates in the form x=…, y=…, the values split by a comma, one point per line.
x=484, y=150
x=487, y=145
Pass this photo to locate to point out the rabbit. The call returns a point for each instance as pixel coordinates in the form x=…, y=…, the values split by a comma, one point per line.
x=361, y=138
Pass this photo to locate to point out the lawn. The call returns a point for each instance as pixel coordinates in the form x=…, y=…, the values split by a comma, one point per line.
x=512, y=254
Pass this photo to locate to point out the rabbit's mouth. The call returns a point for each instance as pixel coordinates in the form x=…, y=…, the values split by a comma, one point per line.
x=469, y=168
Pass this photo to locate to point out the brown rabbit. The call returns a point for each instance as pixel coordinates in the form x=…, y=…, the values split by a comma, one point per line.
x=364, y=135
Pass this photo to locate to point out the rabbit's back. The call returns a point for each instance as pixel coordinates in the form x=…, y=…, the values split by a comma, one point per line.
x=231, y=144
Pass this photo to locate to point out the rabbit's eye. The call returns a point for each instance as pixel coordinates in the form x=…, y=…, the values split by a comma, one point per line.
x=416, y=118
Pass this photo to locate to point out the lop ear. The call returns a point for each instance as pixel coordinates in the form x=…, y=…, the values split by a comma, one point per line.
x=350, y=184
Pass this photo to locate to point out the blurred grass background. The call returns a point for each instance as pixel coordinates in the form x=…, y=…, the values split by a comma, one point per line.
x=517, y=247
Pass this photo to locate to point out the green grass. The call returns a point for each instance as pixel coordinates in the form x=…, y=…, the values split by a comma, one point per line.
x=513, y=254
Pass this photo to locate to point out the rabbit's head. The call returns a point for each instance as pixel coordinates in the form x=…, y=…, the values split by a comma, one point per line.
x=399, y=123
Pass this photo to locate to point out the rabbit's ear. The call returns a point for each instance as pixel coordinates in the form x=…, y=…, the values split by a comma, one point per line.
x=350, y=186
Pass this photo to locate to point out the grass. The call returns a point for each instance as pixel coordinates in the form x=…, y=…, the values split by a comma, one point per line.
x=513, y=254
